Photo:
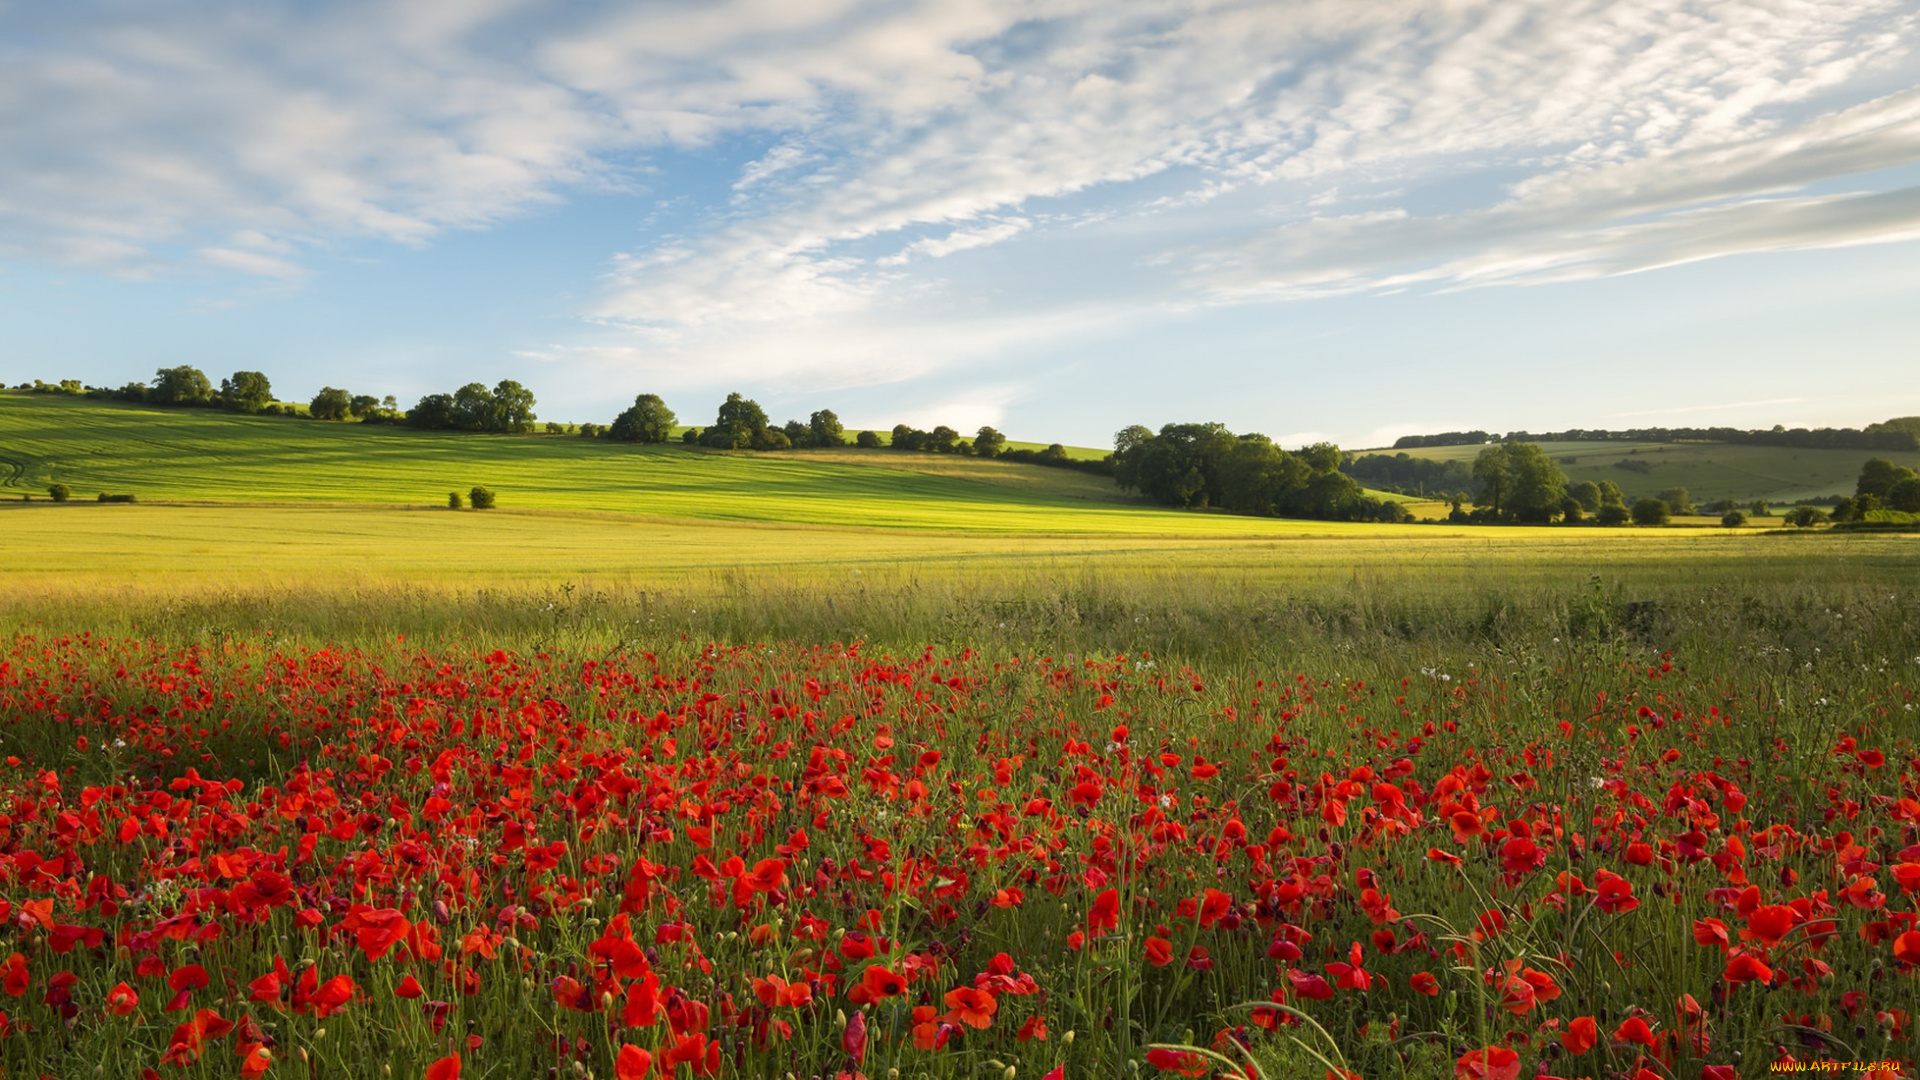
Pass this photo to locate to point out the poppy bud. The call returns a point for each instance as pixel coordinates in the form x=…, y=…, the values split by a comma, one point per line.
x=1067, y=1039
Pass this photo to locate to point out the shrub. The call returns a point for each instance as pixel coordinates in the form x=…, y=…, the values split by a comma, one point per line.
x=1733, y=519
x=869, y=440
x=1805, y=517
x=59, y=492
x=106, y=498
x=691, y=436
x=454, y=501
x=1651, y=511
x=481, y=498
x=1612, y=514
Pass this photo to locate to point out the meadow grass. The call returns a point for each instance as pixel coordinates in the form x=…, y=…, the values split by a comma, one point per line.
x=1709, y=471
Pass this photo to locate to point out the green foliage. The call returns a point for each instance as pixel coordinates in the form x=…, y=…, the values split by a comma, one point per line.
x=504, y=410
x=988, y=442
x=1733, y=519
x=868, y=440
x=481, y=498
x=363, y=405
x=1904, y=495
x=246, y=391
x=737, y=426
x=1587, y=494
x=1204, y=465
x=1761, y=508
x=1611, y=514
x=331, y=403
x=649, y=421
x=183, y=385
x=1805, y=517
x=1651, y=511
x=825, y=429
x=1677, y=500
x=454, y=501
x=1519, y=482
x=59, y=492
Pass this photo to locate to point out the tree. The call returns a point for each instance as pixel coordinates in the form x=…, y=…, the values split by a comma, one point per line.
x=246, y=391
x=1518, y=481
x=941, y=439
x=1651, y=511
x=59, y=492
x=772, y=438
x=181, y=385
x=1178, y=467
x=648, y=421
x=1761, y=508
x=363, y=406
x=472, y=407
x=1611, y=514
x=868, y=440
x=1733, y=519
x=826, y=430
x=1255, y=476
x=988, y=443
x=512, y=409
x=1805, y=517
x=1904, y=496
x=1610, y=493
x=434, y=411
x=331, y=403
x=1587, y=494
x=1677, y=500
x=799, y=436
x=454, y=502
x=739, y=422
x=481, y=498
x=907, y=438
x=1878, y=476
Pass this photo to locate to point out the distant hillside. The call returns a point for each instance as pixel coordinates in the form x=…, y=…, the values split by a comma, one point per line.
x=1708, y=470
x=202, y=455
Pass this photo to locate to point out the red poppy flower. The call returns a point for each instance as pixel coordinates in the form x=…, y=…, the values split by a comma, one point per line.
x=1489, y=1063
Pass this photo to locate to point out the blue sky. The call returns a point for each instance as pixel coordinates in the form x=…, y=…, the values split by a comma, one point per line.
x=1316, y=219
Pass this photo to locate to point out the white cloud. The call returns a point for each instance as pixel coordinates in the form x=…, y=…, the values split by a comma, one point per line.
x=929, y=170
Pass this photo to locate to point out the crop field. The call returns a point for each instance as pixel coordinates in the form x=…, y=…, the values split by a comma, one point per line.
x=1709, y=471
x=690, y=765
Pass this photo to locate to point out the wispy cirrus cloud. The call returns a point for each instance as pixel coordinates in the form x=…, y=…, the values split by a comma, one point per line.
x=938, y=181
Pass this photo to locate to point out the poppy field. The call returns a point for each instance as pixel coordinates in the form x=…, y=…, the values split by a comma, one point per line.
x=243, y=857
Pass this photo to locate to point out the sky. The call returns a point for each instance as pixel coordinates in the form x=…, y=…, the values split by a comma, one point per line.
x=1310, y=218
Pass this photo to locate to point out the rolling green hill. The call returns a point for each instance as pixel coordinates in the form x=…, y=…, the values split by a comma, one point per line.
x=1708, y=471
x=196, y=455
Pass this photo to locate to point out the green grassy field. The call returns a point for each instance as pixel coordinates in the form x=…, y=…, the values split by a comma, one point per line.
x=182, y=455
x=1708, y=471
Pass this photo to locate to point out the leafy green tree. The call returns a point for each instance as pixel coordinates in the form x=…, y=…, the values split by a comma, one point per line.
x=59, y=492
x=1651, y=511
x=1849, y=509
x=246, y=391
x=1905, y=496
x=648, y=421
x=363, y=406
x=1878, y=476
x=433, y=412
x=739, y=423
x=181, y=385
x=1610, y=494
x=1587, y=494
x=1178, y=467
x=772, y=438
x=1518, y=481
x=331, y=403
x=1612, y=514
x=1677, y=500
x=988, y=443
x=454, y=501
x=472, y=407
x=825, y=429
x=692, y=436
x=1733, y=519
x=1761, y=508
x=481, y=498
x=799, y=436
x=1805, y=517
x=907, y=438
x=1255, y=476
x=511, y=410
x=1571, y=511
x=942, y=439
x=868, y=440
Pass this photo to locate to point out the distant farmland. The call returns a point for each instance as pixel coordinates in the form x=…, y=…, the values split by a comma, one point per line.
x=1708, y=471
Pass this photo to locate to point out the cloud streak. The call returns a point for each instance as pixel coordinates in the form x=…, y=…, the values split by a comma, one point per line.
x=930, y=182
